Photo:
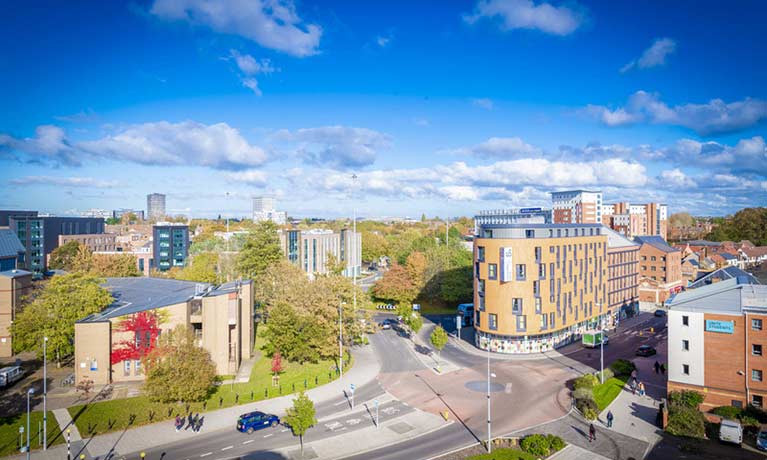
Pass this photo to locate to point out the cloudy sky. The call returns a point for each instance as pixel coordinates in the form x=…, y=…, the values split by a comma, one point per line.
x=438, y=107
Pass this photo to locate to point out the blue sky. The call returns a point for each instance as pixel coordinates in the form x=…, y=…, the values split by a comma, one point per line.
x=439, y=107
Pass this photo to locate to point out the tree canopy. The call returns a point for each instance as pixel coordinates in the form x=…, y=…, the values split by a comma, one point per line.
x=260, y=251
x=301, y=417
x=61, y=258
x=747, y=224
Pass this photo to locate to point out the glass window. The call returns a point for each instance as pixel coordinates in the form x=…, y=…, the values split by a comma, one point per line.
x=756, y=350
x=536, y=288
x=686, y=345
x=756, y=375
x=126, y=365
x=137, y=366
x=492, y=271
x=521, y=323
x=756, y=324
x=516, y=305
x=481, y=253
x=686, y=369
x=542, y=271
x=529, y=233
x=685, y=320
x=551, y=319
x=481, y=286
x=757, y=400
x=521, y=272
x=538, y=305
x=493, y=322
x=538, y=253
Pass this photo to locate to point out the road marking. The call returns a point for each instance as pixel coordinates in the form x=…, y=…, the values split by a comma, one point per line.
x=406, y=404
x=206, y=454
x=353, y=421
x=389, y=410
x=339, y=403
x=267, y=435
x=248, y=441
x=282, y=431
x=227, y=447
x=332, y=426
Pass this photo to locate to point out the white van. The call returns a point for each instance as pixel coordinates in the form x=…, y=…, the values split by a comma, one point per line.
x=10, y=374
x=731, y=431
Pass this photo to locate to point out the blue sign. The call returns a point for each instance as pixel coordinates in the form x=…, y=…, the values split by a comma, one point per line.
x=529, y=210
x=724, y=327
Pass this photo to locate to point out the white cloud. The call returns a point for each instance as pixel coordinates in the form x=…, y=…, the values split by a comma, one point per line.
x=187, y=143
x=342, y=147
x=483, y=103
x=526, y=14
x=85, y=182
x=383, y=40
x=273, y=24
x=748, y=156
x=715, y=116
x=250, y=67
x=250, y=176
x=500, y=147
x=653, y=56
x=460, y=192
x=675, y=178
x=50, y=143
x=421, y=121
x=252, y=84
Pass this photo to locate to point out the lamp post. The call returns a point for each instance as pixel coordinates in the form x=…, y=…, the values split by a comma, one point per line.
x=601, y=347
x=354, y=247
x=340, y=340
x=45, y=393
x=489, y=438
x=30, y=392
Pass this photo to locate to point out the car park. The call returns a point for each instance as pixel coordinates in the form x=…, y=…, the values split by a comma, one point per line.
x=252, y=421
x=645, y=350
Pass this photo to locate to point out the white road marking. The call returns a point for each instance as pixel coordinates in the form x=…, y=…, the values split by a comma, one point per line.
x=248, y=441
x=333, y=426
x=267, y=435
x=206, y=454
x=227, y=447
x=353, y=421
x=339, y=403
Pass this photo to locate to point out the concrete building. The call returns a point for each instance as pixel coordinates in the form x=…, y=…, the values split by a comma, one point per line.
x=660, y=270
x=539, y=286
x=155, y=206
x=14, y=285
x=311, y=250
x=170, y=245
x=263, y=209
x=40, y=236
x=109, y=345
x=622, y=275
x=94, y=242
x=96, y=212
x=577, y=207
x=5, y=216
x=632, y=220
x=512, y=216
x=139, y=213
x=717, y=336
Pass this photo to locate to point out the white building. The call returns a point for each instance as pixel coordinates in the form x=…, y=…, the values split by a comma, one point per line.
x=577, y=207
x=263, y=209
x=312, y=249
x=155, y=206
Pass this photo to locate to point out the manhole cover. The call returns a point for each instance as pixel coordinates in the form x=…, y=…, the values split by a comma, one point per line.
x=480, y=386
x=400, y=427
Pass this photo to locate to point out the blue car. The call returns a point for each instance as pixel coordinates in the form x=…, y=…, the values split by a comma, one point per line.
x=761, y=438
x=252, y=421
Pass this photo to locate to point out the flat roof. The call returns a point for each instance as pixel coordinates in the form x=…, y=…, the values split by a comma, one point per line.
x=17, y=273
x=730, y=296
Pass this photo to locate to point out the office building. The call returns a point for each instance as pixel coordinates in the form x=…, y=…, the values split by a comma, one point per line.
x=11, y=250
x=660, y=270
x=5, y=216
x=539, y=286
x=40, y=236
x=512, y=216
x=170, y=245
x=717, y=338
x=139, y=213
x=108, y=349
x=263, y=209
x=622, y=275
x=94, y=242
x=312, y=250
x=155, y=206
x=95, y=212
x=577, y=207
x=632, y=220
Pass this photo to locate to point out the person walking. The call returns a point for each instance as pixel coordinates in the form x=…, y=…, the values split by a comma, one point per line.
x=663, y=369
x=641, y=388
x=190, y=420
x=592, y=432
x=178, y=423
x=199, y=424
x=657, y=367
x=609, y=419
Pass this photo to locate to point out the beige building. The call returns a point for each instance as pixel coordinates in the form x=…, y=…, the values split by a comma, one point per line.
x=312, y=249
x=109, y=345
x=633, y=220
x=94, y=242
x=14, y=284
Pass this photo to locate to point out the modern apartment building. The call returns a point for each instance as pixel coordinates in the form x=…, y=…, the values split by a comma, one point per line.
x=660, y=270
x=109, y=345
x=512, y=216
x=311, y=250
x=717, y=338
x=94, y=242
x=636, y=219
x=170, y=245
x=155, y=206
x=5, y=216
x=577, y=207
x=622, y=275
x=139, y=213
x=40, y=236
x=263, y=209
x=539, y=286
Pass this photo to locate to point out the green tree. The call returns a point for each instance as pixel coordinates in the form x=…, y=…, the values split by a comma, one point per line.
x=203, y=269
x=260, y=251
x=112, y=221
x=747, y=224
x=64, y=300
x=457, y=285
x=177, y=369
x=301, y=417
x=334, y=265
x=62, y=257
x=374, y=245
x=438, y=338
x=114, y=265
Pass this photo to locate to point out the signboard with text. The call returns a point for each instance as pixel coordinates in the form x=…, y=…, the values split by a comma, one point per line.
x=507, y=266
x=723, y=327
x=529, y=210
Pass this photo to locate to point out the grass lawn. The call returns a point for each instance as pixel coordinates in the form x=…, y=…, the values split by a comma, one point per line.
x=9, y=432
x=504, y=454
x=606, y=393
x=119, y=414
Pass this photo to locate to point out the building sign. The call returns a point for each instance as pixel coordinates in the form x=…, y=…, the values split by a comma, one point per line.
x=507, y=267
x=529, y=210
x=724, y=327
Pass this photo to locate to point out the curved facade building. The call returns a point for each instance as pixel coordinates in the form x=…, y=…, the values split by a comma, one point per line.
x=539, y=286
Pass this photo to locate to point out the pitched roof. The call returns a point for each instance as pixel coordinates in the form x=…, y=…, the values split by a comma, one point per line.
x=731, y=296
x=656, y=242
x=725, y=273
x=10, y=246
x=616, y=240
x=756, y=251
x=727, y=256
x=15, y=273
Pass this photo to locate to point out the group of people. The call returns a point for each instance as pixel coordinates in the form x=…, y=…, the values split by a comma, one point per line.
x=193, y=422
x=660, y=368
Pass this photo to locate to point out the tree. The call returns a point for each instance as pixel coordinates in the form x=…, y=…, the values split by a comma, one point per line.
x=112, y=221
x=680, y=219
x=334, y=265
x=457, y=285
x=260, y=251
x=416, y=267
x=177, y=369
x=114, y=265
x=301, y=417
x=396, y=285
x=277, y=363
x=374, y=246
x=65, y=300
x=438, y=338
x=82, y=261
x=203, y=269
x=747, y=224
x=61, y=258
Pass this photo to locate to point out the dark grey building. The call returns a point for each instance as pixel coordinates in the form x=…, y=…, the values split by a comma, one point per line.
x=5, y=215
x=170, y=245
x=40, y=236
x=11, y=251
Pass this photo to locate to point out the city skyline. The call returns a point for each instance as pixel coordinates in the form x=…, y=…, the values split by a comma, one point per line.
x=441, y=110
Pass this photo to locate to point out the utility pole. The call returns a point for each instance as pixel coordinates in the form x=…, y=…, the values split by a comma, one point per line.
x=447, y=231
x=30, y=392
x=489, y=438
x=45, y=393
x=354, y=246
x=340, y=341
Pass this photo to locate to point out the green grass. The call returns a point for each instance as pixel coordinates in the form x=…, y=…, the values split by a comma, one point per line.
x=9, y=432
x=119, y=414
x=437, y=308
x=504, y=454
x=605, y=393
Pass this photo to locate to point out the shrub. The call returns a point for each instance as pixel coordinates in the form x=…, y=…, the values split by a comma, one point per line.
x=727, y=411
x=536, y=444
x=608, y=375
x=583, y=393
x=622, y=367
x=584, y=404
x=686, y=398
x=686, y=421
x=590, y=414
x=555, y=443
x=749, y=422
x=756, y=413
x=586, y=381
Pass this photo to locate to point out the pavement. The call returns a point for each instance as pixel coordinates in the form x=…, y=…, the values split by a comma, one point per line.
x=573, y=452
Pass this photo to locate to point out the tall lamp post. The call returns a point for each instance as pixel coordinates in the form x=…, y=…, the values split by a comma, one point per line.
x=45, y=393
x=30, y=392
x=354, y=247
x=340, y=340
x=601, y=347
x=489, y=374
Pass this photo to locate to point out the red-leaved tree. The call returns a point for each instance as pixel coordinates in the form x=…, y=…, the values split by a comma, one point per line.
x=277, y=363
x=145, y=327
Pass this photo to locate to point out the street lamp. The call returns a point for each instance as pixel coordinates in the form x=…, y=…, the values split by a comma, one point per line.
x=45, y=393
x=601, y=347
x=489, y=374
x=30, y=392
x=354, y=247
x=340, y=340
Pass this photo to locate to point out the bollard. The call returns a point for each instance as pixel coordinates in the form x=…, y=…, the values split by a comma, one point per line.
x=251, y=395
x=237, y=398
x=204, y=405
x=280, y=388
x=305, y=384
x=294, y=387
x=220, y=401
x=266, y=393
x=316, y=380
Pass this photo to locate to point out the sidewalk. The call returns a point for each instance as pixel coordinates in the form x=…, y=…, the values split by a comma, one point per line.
x=365, y=369
x=434, y=360
x=573, y=452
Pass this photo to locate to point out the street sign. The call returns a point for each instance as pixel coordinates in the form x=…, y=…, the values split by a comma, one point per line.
x=352, y=387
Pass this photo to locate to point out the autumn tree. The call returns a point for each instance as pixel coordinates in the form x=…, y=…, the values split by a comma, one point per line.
x=114, y=265
x=61, y=258
x=82, y=262
x=374, y=246
x=64, y=300
x=416, y=268
x=260, y=251
x=397, y=286
x=202, y=269
x=177, y=369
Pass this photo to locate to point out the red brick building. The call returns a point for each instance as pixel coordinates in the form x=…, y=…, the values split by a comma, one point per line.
x=660, y=270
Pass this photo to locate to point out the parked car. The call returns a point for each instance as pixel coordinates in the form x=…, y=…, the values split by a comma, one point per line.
x=660, y=313
x=9, y=375
x=645, y=350
x=731, y=431
x=761, y=438
x=385, y=324
x=252, y=421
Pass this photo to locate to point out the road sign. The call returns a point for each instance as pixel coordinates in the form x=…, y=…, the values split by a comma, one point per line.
x=375, y=401
x=352, y=387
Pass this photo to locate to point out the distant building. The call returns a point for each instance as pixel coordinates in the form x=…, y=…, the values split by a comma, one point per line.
x=723, y=274
x=5, y=216
x=263, y=209
x=632, y=220
x=155, y=206
x=11, y=250
x=94, y=242
x=512, y=216
x=40, y=236
x=143, y=257
x=170, y=245
x=622, y=274
x=14, y=285
x=139, y=213
x=95, y=212
x=311, y=250
x=660, y=270
x=577, y=207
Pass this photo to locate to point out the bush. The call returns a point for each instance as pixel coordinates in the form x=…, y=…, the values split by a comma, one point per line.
x=622, y=367
x=536, y=444
x=583, y=393
x=686, y=421
x=727, y=411
x=586, y=381
x=608, y=375
x=590, y=414
x=583, y=404
x=555, y=443
x=756, y=413
x=749, y=422
x=686, y=398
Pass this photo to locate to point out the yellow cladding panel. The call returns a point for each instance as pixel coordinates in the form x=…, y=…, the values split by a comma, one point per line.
x=498, y=295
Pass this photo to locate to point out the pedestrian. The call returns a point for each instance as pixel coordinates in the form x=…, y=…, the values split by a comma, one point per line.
x=199, y=424
x=194, y=421
x=634, y=374
x=592, y=432
x=178, y=423
x=609, y=419
x=657, y=367
x=663, y=369
x=190, y=420
x=641, y=388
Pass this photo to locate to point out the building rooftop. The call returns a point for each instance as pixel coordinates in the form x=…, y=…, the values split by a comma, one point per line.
x=576, y=191
x=10, y=246
x=656, y=242
x=722, y=274
x=731, y=296
x=616, y=240
x=14, y=273
x=702, y=243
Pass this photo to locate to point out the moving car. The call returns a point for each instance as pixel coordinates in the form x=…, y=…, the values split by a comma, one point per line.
x=761, y=438
x=645, y=350
x=731, y=431
x=660, y=313
x=252, y=421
